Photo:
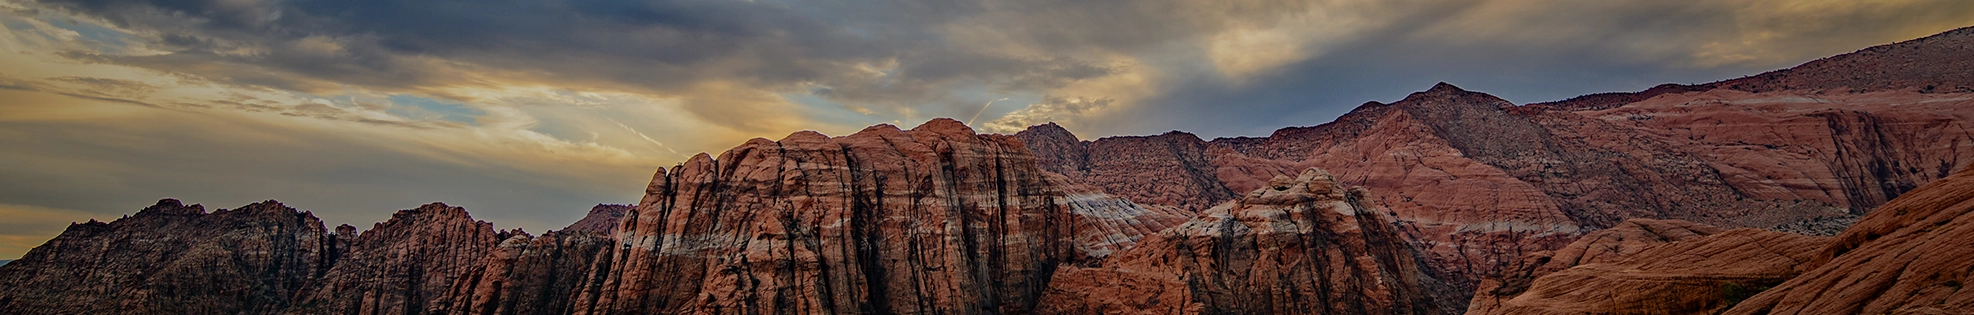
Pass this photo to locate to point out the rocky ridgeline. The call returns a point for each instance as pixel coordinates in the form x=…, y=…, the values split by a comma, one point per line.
x=175, y=259
x=1302, y=245
x=1610, y=203
x=936, y=219
x=267, y=258
x=1909, y=257
x=1479, y=182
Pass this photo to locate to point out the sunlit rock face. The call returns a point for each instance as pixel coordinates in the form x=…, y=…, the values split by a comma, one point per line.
x=172, y=258
x=1302, y=245
x=936, y=219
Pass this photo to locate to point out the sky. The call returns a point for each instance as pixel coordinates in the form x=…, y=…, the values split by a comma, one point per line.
x=529, y=112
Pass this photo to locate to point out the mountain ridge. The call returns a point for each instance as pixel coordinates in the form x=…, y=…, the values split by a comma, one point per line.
x=1450, y=192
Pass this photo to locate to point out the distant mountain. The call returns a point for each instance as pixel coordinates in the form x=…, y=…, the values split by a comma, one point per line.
x=1478, y=182
x=1401, y=208
x=4, y=262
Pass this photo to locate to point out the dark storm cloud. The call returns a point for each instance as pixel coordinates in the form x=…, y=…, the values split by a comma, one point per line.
x=652, y=46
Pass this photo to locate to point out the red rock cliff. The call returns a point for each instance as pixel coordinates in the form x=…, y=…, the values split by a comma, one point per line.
x=935, y=219
x=406, y=265
x=1300, y=246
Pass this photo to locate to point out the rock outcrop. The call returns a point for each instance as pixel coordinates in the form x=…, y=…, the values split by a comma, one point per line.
x=1479, y=182
x=1302, y=245
x=407, y=265
x=1106, y=224
x=1911, y=256
x=1694, y=275
x=602, y=219
x=1603, y=246
x=936, y=219
x=172, y=258
x=540, y=275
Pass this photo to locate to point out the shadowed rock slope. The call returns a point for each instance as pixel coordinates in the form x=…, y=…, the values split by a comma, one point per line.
x=172, y=258
x=403, y=266
x=1303, y=245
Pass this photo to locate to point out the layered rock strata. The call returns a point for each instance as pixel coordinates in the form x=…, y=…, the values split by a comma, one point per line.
x=936, y=219
x=1696, y=275
x=1302, y=245
x=1911, y=256
x=1481, y=182
x=1603, y=246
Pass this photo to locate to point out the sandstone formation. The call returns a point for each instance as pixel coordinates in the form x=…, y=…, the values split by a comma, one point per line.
x=173, y=259
x=602, y=219
x=1302, y=245
x=1106, y=224
x=1479, y=182
x=1911, y=256
x=1603, y=246
x=936, y=219
x=1695, y=275
x=539, y=275
x=1605, y=203
x=407, y=265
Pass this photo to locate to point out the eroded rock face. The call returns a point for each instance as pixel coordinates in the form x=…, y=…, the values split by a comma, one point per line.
x=1480, y=182
x=532, y=275
x=1695, y=275
x=1302, y=245
x=1911, y=256
x=1106, y=224
x=540, y=275
x=173, y=259
x=1603, y=246
x=935, y=219
x=407, y=265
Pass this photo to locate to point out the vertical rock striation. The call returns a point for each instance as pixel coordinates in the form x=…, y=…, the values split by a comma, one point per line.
x=540, y=275
x=935, y=219
x=407, y=265
x=1300, y=246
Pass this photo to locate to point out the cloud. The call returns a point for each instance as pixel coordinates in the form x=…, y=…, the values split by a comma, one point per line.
x=1051, y=109
x=521, y=109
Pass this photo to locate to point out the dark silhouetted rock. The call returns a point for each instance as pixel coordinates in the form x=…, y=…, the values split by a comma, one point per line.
x=173, y=259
